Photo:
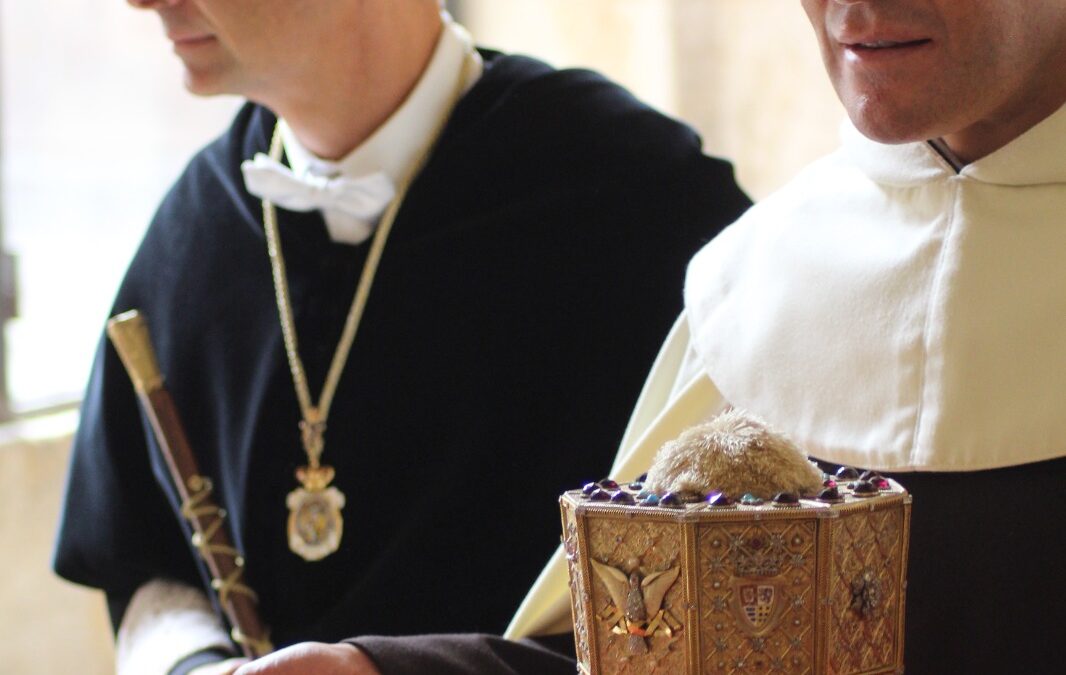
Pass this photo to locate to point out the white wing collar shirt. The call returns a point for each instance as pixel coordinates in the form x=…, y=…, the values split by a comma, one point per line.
x=891, y=312
x=353, y=192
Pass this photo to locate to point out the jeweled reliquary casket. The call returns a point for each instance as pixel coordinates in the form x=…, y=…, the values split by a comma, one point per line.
x=662, y=584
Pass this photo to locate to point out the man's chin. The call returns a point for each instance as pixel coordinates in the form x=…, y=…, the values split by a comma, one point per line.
x=889, y=136
x=889, y=124
x=202, y=84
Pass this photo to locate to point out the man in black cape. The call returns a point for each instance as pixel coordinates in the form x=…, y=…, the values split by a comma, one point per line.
x=540, y=221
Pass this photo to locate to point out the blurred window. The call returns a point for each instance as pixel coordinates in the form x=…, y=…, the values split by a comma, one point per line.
x=94, y=127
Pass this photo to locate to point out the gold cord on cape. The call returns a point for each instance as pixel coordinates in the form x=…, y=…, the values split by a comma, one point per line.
x=315, y=524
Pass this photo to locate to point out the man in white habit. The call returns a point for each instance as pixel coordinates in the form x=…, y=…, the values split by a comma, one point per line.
x=901, y=306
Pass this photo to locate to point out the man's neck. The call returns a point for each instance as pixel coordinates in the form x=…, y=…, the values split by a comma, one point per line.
x=353, y=93
x=1014, y=119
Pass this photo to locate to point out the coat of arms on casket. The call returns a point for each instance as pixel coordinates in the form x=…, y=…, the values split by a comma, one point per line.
x=755, y=603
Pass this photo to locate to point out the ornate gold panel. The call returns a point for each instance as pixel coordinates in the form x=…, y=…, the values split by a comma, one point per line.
x=643, y=547
x=768, y=634
x=865, y=596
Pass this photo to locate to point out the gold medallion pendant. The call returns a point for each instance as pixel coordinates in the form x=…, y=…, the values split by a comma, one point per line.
x=315, y=524
x=315, y=521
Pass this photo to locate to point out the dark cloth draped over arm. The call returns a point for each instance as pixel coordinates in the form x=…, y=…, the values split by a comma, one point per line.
x=470, y=654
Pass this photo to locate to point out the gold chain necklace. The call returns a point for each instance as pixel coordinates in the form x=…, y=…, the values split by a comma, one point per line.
x=315, y=524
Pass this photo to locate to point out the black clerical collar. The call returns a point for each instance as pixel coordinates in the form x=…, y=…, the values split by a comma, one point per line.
x=950, y=157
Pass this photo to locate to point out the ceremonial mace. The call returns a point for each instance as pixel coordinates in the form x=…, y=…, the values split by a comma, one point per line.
x=129, y=333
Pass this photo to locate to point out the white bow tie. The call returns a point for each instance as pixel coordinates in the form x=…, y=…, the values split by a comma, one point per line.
x=351, y=206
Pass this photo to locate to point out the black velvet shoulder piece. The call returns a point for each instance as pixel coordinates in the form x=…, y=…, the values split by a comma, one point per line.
x=531, y=275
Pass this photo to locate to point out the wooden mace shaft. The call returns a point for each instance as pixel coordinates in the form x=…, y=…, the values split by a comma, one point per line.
x=129, y=334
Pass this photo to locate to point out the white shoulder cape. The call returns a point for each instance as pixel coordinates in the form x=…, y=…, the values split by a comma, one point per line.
x=890, y=313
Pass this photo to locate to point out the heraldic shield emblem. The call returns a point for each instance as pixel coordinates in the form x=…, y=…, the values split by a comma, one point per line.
x=315, y=523
x=757, y=604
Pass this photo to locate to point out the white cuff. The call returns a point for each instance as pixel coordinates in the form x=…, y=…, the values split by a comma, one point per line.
x=165, y=622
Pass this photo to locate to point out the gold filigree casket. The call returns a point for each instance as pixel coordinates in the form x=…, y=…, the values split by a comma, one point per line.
x=715, y=586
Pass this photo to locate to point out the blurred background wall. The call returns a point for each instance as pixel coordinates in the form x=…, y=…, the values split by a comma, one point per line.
x=745, y=73
x=94, y=126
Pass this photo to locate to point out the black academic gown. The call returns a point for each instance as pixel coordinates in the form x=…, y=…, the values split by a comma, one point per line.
x=531, y=275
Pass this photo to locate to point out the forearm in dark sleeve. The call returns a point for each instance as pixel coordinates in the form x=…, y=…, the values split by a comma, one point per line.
x=472, y=654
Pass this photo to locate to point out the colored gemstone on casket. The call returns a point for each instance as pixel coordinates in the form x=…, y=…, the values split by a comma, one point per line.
x=846, y=473
x=589, y=488
x=650, y=499
x=636, y=487
x=608, y=484
x=642, y=478
x=751, y=500
x=671, y=500
x=600, y=495
x=719, y=499
x=830, y=494
x=829, y=483
x=864, y=488
x=786, y=499
x=622, y=497
x=882, y=483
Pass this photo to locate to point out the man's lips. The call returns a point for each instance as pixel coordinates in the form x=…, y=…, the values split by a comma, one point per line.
x=875, y=52
x=190, y=39
x=885, y=44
